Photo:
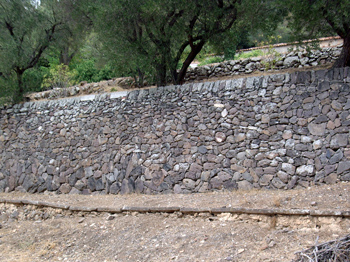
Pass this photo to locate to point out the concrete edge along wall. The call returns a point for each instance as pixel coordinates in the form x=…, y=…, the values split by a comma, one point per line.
x=279, y=132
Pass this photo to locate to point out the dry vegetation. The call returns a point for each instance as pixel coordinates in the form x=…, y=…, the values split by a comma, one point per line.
x=337, y=250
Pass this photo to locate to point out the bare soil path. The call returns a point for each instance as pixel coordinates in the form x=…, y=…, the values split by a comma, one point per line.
x=28, y=233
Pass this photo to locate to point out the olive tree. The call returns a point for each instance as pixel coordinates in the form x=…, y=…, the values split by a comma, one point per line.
x=27, y=29
x=320, y=17
x=156, y=33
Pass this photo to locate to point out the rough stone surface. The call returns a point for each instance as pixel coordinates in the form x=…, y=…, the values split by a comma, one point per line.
x=226, y=68
x=265, y=180
x=65, y=188
x=331, y=179
x=339, y=140
x=317, y=129
x=291, y=61
x=343, y=166
x=289, y=168
x=220, y=137
x=244, y=185
x=270, y=131
x=305, y=170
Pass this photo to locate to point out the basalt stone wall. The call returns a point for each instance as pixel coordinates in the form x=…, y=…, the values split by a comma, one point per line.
x=279, y=131
x=294, y=59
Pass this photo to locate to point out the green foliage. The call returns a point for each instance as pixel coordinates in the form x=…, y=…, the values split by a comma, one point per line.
x=284, y=33
x=306, y=18
x=8, y=90
x=253, y=53
x=269, y=40
x=312, y=19
x=59, y=76
x=105, y=73
x=244, y=40
x=229, y=53
x=225, y=44
x=27, y=29
x=89, y=63
x=152, y=35
x=211, y=60
x=33, y=78
x=32, y=82
x=271, y=57
x=153, y=41
x=87, y=70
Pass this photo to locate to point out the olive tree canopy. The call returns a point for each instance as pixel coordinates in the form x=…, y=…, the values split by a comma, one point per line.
x=319, y=17
x=161, y=33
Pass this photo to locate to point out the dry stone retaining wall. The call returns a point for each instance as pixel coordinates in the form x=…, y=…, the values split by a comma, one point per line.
x=293, y=59
x=278, y=131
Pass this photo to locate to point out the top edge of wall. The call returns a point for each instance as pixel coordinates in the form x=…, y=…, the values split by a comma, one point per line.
x=250, y=82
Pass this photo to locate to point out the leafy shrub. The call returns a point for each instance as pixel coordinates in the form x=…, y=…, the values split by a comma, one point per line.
x=87, y=70
x=33, y=78
x=8, y=90
x=59, y=76
x=105, y=73
x=271, y=57
x=229, y=53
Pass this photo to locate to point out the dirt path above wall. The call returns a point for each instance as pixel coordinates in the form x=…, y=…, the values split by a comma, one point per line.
x=29, y=233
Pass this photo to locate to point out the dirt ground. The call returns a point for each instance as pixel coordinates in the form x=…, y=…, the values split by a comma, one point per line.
x=28, y=233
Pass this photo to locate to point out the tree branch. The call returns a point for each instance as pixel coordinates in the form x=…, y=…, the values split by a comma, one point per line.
x=40, y=50
x=346, y=26
x=157, y=42
x=220, y=3
x=191, y=56
x=325, y=14
x=9, y=28
x=181, y=50
x=175, y=17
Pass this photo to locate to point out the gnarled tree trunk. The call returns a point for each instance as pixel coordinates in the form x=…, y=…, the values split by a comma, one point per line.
x=161, y=73
x=195, y=49
x=344, y=58
x=65, y=56
x=19, y=92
